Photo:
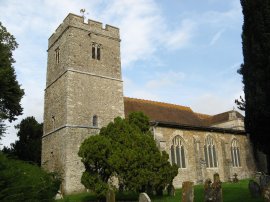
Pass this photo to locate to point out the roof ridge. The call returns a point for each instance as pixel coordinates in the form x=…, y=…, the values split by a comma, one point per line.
x=164, y=104
x=203, y=116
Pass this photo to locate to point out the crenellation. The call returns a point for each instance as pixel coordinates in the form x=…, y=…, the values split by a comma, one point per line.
x=92, y=27
x=95, y=25
x=112, y=29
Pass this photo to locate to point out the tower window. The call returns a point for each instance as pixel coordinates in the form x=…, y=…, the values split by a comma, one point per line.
x=96, y=51
x=210, y=153
x=95, y=121
x=57, y=55
x=93, y=51
x=53, y=122
x=178, y=152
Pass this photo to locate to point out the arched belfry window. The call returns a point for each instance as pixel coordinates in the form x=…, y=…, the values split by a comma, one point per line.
x=96, y=51
x=95, y=120
x=235, y=152
x=210, y=153
x=178, y=152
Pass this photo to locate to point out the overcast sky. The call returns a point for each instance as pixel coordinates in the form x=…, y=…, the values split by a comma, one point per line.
x=185, y=52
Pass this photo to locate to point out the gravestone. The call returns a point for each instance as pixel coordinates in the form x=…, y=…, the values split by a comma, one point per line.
x=207, y=190
x=144, y=197
x=110, y=197
x=171, y=190
x=254, y=189
x=187, y=191
x=213, y=191
x=217, y=189
x=264, y=180
x=266, y=194
x=235, y=179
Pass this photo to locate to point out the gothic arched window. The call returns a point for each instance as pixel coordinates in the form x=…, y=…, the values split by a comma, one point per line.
x=95, y=120
x=235, y=152
x=178, y=152
x=210, y=153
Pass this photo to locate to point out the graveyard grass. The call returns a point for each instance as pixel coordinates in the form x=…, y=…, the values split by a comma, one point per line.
x=231, y=192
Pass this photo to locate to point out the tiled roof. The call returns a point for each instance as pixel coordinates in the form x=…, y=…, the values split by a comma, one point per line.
x=160, y=111
x=223, y=117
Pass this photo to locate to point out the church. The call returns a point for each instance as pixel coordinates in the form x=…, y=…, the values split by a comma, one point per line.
x=84, y=92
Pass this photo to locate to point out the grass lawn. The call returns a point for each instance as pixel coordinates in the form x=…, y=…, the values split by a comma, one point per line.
x=231, y=192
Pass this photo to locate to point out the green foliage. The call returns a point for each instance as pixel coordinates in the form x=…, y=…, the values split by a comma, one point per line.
x=140, y=120
x=28, y=147
x=95, y=152
x=20, y=181
x=256, y=70
x=10, y=91
x=126, y=149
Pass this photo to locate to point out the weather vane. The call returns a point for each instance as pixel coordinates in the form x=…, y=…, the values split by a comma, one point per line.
x=82, y=11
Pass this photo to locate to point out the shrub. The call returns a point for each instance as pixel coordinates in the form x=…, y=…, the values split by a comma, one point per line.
x=20, y=181
x=125, y=149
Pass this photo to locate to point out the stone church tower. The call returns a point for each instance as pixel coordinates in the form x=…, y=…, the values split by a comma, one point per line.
x=84, y=91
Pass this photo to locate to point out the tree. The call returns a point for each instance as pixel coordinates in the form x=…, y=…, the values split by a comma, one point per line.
x=126, y=150
x=256, y=71
x=28, y=147
x=10, y=91
x=20, y=181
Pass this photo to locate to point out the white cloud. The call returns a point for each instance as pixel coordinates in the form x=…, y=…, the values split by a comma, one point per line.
x=144, y=29
x=216, y=37
x=180, y=37
x=165, y=79
x=211, y=104
x=138, y=21
x=144, y=94
x=224, y=18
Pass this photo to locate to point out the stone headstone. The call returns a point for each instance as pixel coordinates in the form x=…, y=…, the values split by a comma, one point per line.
x=207, y=190
x=110, y=197
x=144, y=197
x=235, y=179
x=59, y=195
x=216, y=177
x=264, y=180
x=213, y=191
x=254, y=189
x=187, y=191
x=171, y=190
x=266, y=193
x=217, y=189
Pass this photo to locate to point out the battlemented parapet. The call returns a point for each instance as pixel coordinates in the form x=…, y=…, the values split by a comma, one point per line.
x=93, y=27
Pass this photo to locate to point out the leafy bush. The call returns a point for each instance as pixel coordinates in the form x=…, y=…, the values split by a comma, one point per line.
x=125, y=149
x=20, y=181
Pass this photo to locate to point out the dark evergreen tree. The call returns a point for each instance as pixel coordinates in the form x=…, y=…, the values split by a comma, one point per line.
x=256, y=71
x=126, y=149
x=28, y=147
x=10, y=91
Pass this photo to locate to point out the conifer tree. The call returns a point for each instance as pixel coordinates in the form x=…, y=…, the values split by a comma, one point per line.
x=256, y=71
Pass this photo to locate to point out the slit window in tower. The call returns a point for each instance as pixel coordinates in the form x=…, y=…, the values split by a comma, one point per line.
x=57, y=55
